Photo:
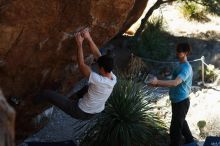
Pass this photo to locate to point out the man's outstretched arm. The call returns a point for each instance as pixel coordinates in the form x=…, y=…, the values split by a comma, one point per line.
x=166, y=83
x=85, y=69
x=94, y=49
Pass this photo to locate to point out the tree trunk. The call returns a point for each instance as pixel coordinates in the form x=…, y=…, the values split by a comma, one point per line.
x=133, y=15
x=148, y=14
x=146, y=17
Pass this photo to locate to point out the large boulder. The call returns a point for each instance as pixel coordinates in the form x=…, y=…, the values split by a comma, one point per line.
x=7, y=123
x=36, y=52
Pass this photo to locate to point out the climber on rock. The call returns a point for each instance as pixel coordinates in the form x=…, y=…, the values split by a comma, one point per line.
x=100, y=85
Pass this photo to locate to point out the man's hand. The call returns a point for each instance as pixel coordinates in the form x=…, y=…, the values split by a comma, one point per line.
x=79, y=39
x=86, y=34
x=153, y=82
x=94, y=49
x=85, y=69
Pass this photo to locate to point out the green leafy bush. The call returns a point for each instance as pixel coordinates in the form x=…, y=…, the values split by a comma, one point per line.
x=153, y=42
x=128, y=119
x=212, y=6
x=211, y=73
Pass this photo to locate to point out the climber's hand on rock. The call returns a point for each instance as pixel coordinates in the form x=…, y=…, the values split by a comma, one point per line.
x=79, y=39
x=86, y=34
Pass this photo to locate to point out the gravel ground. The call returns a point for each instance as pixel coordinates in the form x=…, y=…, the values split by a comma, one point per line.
x=59, y=128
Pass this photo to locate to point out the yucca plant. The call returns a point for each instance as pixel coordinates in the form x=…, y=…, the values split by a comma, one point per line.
x=128, y=119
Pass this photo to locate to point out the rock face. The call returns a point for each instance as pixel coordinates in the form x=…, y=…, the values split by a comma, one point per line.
x=7, y=122
x=36, y=52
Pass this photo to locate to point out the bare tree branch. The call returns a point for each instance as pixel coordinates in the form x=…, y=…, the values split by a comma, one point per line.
x=168, y=1
x=149, y=13
x=157, y=5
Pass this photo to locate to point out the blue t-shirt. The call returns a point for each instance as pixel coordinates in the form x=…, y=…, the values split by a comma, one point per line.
x=181, y=91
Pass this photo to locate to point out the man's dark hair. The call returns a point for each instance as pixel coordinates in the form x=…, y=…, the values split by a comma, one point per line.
x=183, y=47
x=106, y=62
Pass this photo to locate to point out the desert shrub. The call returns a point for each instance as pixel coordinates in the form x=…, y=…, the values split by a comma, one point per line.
x=153, y=42
x=193, y=11
x=210, y=73
x=128, y=119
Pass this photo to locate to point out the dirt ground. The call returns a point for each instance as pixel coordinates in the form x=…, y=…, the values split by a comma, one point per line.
x=204, y=106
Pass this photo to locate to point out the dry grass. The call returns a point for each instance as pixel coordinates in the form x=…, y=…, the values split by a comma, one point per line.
x=135, y=65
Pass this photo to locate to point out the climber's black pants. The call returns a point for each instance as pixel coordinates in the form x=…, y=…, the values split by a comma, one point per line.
x=179, y=126
x=68, y=106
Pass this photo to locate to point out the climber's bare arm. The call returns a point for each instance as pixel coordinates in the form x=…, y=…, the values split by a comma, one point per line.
x=94, y=49
x=85, y=69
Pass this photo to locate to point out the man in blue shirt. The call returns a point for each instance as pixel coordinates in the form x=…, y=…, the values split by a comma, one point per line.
x=180, y=87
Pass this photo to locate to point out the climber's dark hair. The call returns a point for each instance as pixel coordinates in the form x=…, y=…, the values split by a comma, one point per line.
x=183, y=47
x=107, y=62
